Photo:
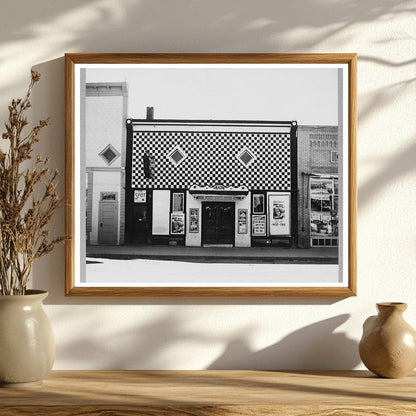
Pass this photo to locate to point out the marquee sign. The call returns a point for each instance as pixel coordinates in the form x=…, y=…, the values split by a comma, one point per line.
x=210, y=193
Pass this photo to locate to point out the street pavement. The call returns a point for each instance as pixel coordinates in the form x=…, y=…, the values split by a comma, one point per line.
x=315, y=255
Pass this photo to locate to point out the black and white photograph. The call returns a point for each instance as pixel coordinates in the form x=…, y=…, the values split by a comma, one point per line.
x=211, y=175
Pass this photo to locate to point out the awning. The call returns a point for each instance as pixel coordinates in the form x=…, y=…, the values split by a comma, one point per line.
x=218, y=192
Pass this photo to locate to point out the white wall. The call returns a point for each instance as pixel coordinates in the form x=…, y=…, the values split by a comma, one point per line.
x=104, y=127
x=193, y=239
x=243, y=240
x=198, y=333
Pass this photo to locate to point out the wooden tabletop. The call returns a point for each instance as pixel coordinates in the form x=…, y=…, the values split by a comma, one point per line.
x=202, y=393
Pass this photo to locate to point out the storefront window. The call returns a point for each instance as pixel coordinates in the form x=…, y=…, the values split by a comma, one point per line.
x=324, y=206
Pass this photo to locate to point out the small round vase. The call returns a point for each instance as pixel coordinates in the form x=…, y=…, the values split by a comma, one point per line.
x=27, y=347
x=388, y=345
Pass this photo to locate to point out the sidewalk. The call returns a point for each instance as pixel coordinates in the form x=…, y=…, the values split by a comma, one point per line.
x=217, y=254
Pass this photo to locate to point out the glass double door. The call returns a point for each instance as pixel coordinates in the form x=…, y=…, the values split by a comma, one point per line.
x=218, y=223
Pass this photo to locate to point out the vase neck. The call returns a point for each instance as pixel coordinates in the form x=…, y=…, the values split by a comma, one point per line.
x=390, y=308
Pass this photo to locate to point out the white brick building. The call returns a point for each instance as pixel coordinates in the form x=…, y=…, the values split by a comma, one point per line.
x=105, y=160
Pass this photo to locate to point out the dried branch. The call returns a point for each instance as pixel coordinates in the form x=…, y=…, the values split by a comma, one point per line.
x=23, y=218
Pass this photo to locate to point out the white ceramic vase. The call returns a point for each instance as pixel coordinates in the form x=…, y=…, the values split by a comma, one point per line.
x=27, y=347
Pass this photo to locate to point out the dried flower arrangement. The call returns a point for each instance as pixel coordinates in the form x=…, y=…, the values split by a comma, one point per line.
x=28, y=199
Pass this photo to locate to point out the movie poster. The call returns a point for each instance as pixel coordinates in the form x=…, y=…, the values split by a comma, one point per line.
x=279, y=214
x=177, y=223
x=259, y=225
x=242, y=221
x=194, y=220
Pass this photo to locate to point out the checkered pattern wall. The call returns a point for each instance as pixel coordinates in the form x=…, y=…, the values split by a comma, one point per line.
x=212, y=159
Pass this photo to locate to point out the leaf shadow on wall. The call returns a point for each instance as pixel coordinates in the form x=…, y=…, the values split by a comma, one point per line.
x=313, y=347
x=146, y=345
x=396, y=167
x=152, y=344
x=106, y=26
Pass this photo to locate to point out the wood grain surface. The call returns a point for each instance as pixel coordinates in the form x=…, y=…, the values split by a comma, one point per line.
x=203, y=393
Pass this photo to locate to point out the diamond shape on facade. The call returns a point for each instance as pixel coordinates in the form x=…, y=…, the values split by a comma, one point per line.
x=177, y=156
x=246, y=157
x=109, y=154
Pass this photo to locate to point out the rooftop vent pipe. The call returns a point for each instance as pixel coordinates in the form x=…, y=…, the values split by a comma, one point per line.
x=149, y=113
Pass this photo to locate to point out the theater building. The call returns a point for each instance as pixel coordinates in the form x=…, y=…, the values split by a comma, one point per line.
x=211, y=182
x=318, y=213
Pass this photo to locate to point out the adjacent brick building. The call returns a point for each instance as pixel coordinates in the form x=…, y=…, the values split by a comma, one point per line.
x=318, y=186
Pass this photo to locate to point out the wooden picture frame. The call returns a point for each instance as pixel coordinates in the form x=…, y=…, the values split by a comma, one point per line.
x=234, y=99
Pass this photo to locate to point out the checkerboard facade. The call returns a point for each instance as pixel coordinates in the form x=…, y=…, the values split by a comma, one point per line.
x=212, y=159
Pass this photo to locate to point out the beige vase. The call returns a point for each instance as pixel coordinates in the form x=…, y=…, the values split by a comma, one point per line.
x=388, y=345
x=27, y=347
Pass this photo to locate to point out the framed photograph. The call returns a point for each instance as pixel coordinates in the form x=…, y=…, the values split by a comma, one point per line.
x=258, y=203
x=257, y=149
x=178, y=202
